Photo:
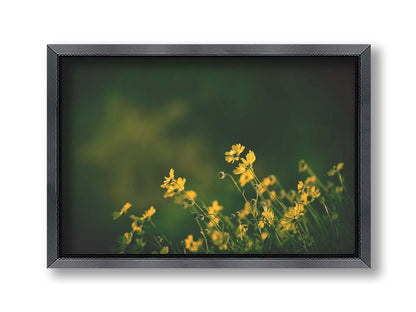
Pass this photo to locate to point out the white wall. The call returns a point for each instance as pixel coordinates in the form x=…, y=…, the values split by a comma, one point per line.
x=27, y=26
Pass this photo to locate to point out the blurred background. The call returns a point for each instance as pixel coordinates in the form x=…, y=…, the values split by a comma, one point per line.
x=127, y=120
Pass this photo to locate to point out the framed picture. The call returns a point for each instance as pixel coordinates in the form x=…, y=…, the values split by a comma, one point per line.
x=252, y=156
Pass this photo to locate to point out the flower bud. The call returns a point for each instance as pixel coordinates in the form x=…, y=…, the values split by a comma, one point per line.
x=221, y=175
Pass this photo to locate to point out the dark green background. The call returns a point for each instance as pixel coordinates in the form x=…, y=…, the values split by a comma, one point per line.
x=127, y=120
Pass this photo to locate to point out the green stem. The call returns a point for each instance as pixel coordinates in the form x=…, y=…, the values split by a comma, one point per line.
x=203, y=234
x=270, y=194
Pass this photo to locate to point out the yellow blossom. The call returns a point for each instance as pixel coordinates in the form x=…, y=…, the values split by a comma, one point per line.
x=272, y=179
x=219, y=239
x=164, y=250
x=308, y=191
x=169, y=179
x=288, y=222
x=177, y=186
x=191, y=194
x=264, y=235
x=149, y=213
x=250, y=157
x=123, y=210
x=309, y=195
x=268, y=215
x=189, y=198
x=301, y=186
x=192, y=245
x=213, y=220
x=214, y=208
x=310, y=180
x=212, y=214
x=267, y=181
x=314, y=191
x=246, y=163
x=336, y=169
x=244, y=212
x=234, y=153
x=245, y=178
x=264, y=185
x=135, y=225
x=242, y=229
x=127, y=238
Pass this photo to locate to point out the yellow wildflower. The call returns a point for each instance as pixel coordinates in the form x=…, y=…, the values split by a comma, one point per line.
x=177, y=186
x=123, y=210
x=267, y=181
x=310, y=180
x=309, y=195
x=244, y=212
x=264, y=185
x=288, y=222
x=164, y=250
x=245, y=178
x=282, y=195
x=264, y=235
x=305, y=198
x=192, y=245
x=149, y=213
x=127, y=238
x=136, y=228
x=242, y=229
x=336, y=169
x=189, y=199
x=268, y=215
x=250, y=157
x=314, y=191
x=181, y=183
x=246, y=163
x=234, y=153
x=169, y=180
x=135, y=225
x=219, y=239
x=214, y=208
x=338, y=189
x=272, y=179
x=213, y=220
x=301, y=186
x=171, y=191
x=212, y=213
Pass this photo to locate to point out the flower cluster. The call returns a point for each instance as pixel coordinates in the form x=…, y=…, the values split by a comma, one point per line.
x=126, y=241
x=192, y=245
x=273, y=219
x=246, y=164
x=290, y=219
x=234, y=154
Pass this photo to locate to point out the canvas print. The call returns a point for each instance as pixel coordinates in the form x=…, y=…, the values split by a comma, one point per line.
x=208, y=156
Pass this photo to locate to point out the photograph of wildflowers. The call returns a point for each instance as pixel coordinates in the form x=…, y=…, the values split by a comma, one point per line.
x=199, y=156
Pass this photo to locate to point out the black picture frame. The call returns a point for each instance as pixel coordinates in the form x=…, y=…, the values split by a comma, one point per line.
x=363, y=190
